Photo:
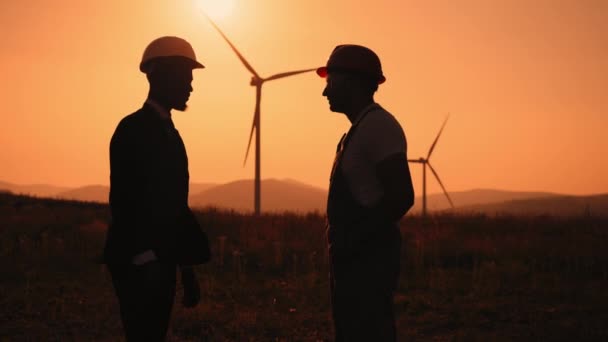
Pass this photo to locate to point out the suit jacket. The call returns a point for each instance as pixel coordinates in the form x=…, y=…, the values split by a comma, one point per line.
x=149, y=193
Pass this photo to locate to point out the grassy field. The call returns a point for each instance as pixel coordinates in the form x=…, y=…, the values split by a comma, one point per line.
x=464, y=278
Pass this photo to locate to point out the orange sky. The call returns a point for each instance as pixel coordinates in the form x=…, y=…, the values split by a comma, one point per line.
x=525, y=82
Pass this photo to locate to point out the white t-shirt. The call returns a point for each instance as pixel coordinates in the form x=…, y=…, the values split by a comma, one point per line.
x=378, y=135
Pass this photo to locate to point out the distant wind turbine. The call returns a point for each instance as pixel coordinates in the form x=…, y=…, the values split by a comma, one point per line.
x=257, y=82
x=425, y=162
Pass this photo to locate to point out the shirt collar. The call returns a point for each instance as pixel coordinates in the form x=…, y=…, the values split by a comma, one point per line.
x=162, y=112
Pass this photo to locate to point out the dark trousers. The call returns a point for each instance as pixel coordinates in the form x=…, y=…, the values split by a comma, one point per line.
x=145, y=294
x=362, y=290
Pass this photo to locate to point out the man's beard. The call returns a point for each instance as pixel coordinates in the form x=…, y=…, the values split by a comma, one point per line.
x=181, y=107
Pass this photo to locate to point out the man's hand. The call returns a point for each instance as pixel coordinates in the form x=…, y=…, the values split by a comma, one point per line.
x=192, y=291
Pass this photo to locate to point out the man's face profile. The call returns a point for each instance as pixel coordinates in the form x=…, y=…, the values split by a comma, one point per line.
x=173, y=82
x=337, y=91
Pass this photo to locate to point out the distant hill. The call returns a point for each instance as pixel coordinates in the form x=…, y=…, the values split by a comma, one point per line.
x=38, y=190
x=292, y=195
x=101, y=193
x=197, y=188
x=90, y=193
x=561, y=205
x=277, y=195
x=438, y=201
x=288, y=194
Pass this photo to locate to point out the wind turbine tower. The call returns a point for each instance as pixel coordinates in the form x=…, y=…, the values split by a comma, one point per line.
x=426, y=162
x=256, y=81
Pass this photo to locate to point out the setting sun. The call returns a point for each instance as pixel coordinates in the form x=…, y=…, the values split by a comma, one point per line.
x=216, y=8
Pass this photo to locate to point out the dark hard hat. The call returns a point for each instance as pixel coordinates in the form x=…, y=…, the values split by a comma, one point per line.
x=356, y=59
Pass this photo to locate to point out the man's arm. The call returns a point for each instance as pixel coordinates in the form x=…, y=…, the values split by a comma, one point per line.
x=394, y=176
x=130, y=192
x=386, y=147
x=125, y=192
x=398, y=197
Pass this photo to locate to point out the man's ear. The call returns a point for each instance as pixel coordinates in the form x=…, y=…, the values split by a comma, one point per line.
x=151, y=68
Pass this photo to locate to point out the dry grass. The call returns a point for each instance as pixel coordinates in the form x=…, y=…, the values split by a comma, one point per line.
x=471, y=278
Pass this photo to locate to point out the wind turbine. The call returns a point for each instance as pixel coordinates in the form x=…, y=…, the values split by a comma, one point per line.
x=426, y=162
x=256, y=81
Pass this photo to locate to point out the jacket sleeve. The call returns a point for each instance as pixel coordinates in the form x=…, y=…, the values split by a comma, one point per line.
x=129, y=201
x=123, y=191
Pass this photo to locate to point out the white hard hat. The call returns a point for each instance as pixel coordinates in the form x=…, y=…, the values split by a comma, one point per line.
x=169, y=46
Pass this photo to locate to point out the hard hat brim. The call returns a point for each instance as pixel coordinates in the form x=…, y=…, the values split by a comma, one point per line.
x=198, y=65
x=194, y=64
x=322, y=72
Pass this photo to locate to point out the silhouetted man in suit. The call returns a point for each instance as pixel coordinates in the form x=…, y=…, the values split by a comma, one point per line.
x=370, y=190
x=153, y=231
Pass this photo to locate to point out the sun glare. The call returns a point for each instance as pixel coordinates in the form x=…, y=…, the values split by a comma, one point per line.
x=217, y=9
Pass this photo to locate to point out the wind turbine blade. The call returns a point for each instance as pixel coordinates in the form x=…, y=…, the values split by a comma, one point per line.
x=250, y=138
x=414, y=161
x=441, y=184
x=287, y=74
x=437, y=138
x=243, y=60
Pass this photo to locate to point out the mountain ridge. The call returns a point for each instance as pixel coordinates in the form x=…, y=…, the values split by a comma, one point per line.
x=287, y=194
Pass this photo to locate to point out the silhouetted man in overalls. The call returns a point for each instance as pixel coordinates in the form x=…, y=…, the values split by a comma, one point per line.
x=370, y=190
x=153, y=231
